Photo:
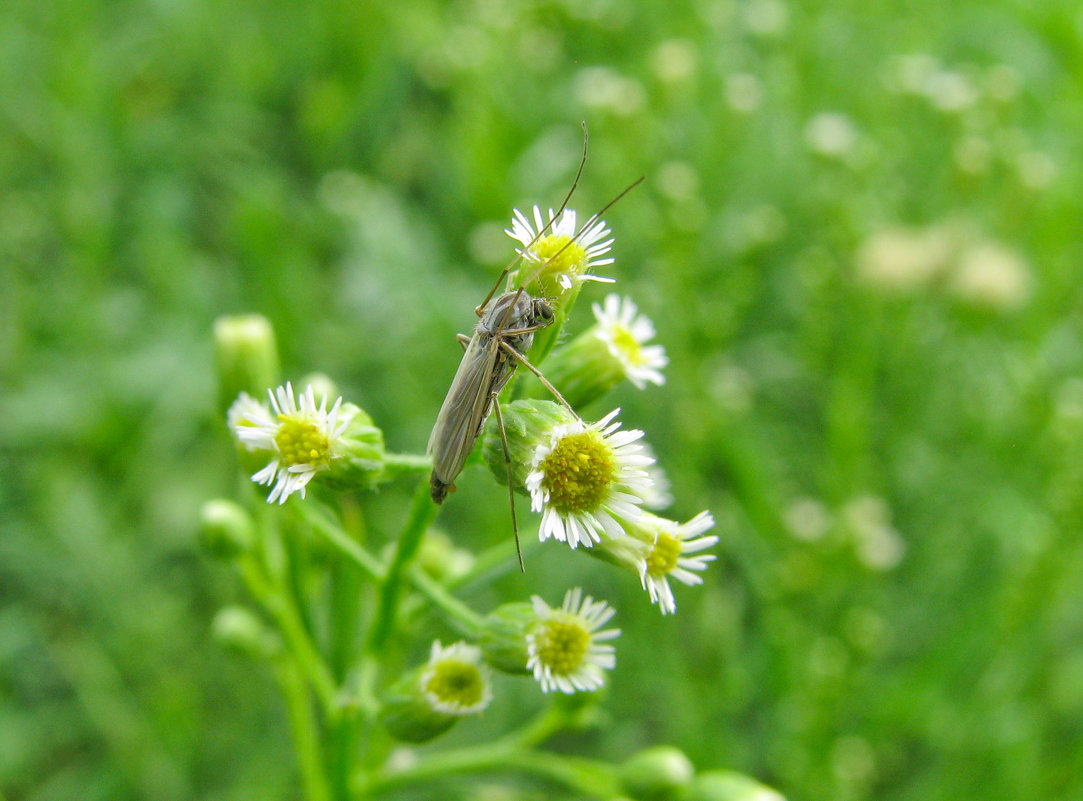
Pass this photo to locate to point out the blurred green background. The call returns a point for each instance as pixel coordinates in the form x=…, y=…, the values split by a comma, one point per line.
x=859, y=239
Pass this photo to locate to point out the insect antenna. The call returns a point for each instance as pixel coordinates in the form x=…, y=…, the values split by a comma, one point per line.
x=541, y=268
x=564, y=204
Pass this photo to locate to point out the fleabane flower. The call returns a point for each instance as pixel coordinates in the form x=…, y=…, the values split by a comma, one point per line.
x=661, y=548
x=626, y=333
x=566, y=259
x=303, y=438
x=611, y=351
x=586, y=480
x=566, y=651
x=455, y=681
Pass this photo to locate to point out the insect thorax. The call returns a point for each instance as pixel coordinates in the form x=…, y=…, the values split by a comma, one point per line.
x=526, y=311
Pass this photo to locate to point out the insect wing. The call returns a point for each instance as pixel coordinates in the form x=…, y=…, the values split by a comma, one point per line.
x=465, y=409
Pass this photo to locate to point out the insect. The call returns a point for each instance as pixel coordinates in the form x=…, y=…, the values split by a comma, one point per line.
x=503, y=335
x=501, y=339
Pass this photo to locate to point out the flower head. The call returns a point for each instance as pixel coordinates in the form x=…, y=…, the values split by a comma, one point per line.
x=566, y=650
x=626, y=335
x=304, y=438
x=586, y=479
x=665, y=548
x=455, y=681
x=566, y=258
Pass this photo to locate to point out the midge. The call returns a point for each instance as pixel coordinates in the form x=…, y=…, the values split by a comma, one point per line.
x=504, y=334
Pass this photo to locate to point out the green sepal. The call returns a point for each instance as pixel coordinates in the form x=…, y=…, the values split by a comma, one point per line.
x=503, y=637
x=407, y=714
x=527, y=424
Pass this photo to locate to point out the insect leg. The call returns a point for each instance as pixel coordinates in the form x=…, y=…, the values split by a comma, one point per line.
x=464, y=340
x=545, y=381
x=511, y=486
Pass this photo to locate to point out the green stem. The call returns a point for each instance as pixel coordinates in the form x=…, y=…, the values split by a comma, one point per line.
x=397, y=464
x=588, y=777
x=422, y=511
x=551, y=720
x=305, y=735
x=342, y=621
x=494, y=562
x=468, y=621
x=333, y=533
x=276, y=601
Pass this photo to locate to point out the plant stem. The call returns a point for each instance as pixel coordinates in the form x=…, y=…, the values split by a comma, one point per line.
x=422, y=511
x=334, y=534
x=275, y=599
x=589, y=777
x=468, y=621
x=305, y=736
x=396, y=464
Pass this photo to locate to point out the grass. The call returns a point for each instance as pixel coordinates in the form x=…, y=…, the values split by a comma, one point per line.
x=893, y=456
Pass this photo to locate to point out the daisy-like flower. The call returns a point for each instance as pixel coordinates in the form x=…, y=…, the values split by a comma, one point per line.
x=302, y=437
x=455, y=682
x=586, y=479
x=668, y=550
x=566, y=651
x=567, y=259
x=626, y=334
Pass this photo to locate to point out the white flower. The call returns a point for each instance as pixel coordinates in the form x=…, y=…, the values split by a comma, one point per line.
x=565, y=650
x=302, y=437
x=455, y=681
x=988, y=274
x=670, y=543
x=564, y=252
x=586, y=479
x=626, y=335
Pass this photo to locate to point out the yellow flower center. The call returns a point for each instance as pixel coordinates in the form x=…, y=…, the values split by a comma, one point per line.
x=561, y=256
x=664, y=555
x=300, y=441
x=628, y=346
x=577, y=472
x=456, y=683
x=561, y=646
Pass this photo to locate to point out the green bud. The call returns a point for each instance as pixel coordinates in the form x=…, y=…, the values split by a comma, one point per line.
x=584, y=370
x=361, y=452
x=656, y=774
x=225, y=529
x=727, y=785
x=431, y=698
x=322, y=386
x=241, y=631
x=503, y=638
x=441, y=559
x=246, y=357
x=527, y=424
x=408, y=715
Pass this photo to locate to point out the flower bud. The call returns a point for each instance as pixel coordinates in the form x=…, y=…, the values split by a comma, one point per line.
x=241, y=631
x=246, y=357
x=441, y=559
x=527, y=424
x=727, y=785
x=503, y=638
x=360, y=452
x=656, y=774
x=583, y=369
x=408, y=716
x=226, y=529
x=430, y=699
x=612, y=350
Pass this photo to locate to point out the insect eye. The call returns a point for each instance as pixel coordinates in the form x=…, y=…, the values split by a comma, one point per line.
x=543, y=309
